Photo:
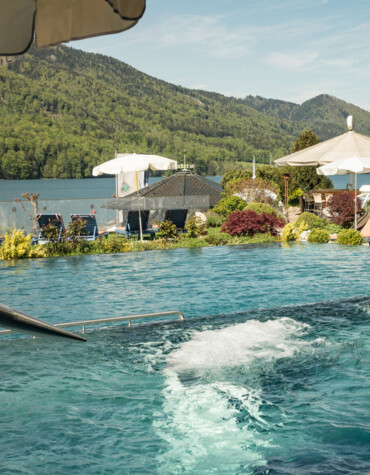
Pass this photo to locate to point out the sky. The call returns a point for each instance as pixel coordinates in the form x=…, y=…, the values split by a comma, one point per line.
x=291, y=50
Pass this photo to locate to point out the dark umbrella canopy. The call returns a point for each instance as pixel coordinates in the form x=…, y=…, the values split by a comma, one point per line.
x=58, y=21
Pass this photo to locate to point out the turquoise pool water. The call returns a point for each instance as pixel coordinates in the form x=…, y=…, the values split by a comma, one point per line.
x=269, y=373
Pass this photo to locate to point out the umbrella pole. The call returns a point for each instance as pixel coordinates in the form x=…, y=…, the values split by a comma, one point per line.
x=356, y=201
x=140, y=225
x=138, y=195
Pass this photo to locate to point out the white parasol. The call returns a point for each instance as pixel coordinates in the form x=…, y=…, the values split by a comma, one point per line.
x=134, y=163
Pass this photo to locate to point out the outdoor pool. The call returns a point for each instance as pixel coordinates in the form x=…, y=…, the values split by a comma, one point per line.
x=268, y=374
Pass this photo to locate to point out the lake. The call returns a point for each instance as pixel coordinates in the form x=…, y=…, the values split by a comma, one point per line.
x=100, y=187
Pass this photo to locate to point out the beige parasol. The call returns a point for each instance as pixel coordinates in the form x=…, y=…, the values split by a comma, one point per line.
x=58, y=21
x=346, y=145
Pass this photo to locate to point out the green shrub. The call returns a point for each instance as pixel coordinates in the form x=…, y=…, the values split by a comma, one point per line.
x=214, y=220
x=350, y=236
x=228, y=205
x=311, y=219
x=113, y=244
x=195, y=228
x=263, y=238
x=261, y=208
x=333, y=228
x=19, y=246
x=217, y=239
x=292, y=232
x=168, y=230
x=235, y=174
x=318, y=235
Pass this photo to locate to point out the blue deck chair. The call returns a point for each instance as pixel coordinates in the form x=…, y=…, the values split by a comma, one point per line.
x=45, y=219
x=177, y=217
x=133, y=225
x=90, y=232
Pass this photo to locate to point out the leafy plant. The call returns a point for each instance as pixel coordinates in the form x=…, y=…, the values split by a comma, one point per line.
x=311, y=219
x=113, y=244
x=342, y=208
x=333, y=228
x=350, y=236
x=195, y=228
x=75, y=229
x=217, y=239
x=168, y=230
x=214, y=220
x=249, y=223
x=292, y=232
x=261, y=208
x=319, y=235
x=228, y=205
x=235, y=174
x=54, y=245
x=18, y=246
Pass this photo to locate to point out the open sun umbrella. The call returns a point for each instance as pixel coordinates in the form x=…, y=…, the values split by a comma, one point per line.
x=134, y=162
x=347, y=165
x=344, y=146
x=58, y=21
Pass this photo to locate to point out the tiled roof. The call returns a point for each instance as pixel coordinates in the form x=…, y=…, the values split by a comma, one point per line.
x=182, y=184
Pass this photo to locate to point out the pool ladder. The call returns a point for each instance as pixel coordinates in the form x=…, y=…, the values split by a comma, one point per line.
x=129, y=318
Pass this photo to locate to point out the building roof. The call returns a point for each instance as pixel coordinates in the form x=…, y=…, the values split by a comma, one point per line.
x=183, y=189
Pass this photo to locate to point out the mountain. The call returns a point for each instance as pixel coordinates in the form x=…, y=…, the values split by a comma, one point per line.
x=326, y=115
x=63, y=111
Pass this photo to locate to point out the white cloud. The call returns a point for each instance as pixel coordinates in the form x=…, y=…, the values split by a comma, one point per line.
x=209, y=34
x=297, y=61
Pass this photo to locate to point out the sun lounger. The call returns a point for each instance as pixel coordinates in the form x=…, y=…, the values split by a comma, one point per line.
x=44, y=220
x=177, y=217
x=90, y=231
x=132, y=227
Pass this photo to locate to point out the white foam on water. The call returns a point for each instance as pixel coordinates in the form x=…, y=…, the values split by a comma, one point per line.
x=240, y=345
x=199, y=426
x=200, y=423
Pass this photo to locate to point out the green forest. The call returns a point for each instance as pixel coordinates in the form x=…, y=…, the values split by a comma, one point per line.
x=63, y=111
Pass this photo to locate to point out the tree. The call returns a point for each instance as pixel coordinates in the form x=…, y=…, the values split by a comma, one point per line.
x=305, y=140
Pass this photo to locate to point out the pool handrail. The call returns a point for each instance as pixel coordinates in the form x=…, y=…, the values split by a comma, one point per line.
x=84, y=323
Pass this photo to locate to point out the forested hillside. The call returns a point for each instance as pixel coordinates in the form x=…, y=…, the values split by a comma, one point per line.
x=326, y=114
x=63, y=111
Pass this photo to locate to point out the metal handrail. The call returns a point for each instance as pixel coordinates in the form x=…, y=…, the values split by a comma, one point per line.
x=83, y=323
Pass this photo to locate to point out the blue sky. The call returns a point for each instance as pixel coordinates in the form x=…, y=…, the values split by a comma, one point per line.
x=282, y=49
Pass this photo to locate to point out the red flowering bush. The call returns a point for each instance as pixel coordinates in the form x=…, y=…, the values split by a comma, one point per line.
x=342, y=208
x=248, y=222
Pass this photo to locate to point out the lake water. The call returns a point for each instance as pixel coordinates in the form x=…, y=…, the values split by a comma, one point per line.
x=100, y=187
x=268, y=374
